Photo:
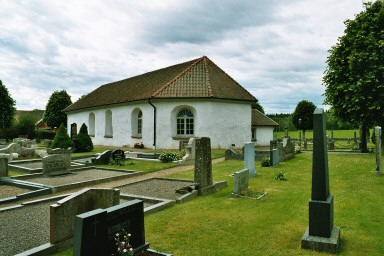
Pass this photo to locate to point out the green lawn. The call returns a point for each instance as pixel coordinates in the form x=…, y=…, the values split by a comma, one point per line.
x=218, y=224
x=309, y=134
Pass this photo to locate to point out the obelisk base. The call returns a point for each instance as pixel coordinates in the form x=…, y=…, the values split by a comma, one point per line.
x=322, y=244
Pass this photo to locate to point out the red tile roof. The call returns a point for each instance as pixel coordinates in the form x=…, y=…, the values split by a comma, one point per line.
x=199, y=78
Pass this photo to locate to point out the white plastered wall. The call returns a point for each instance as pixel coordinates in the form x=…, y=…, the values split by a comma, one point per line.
x=225, y=122
x=264, y=134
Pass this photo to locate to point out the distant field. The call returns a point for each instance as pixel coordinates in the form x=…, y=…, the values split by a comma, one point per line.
x=309, y=134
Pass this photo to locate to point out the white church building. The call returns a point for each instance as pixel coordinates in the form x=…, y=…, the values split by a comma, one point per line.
x=164, y=108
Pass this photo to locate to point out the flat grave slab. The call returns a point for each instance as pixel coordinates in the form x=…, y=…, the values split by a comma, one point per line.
x=83, y=178
x=34, y=166
x=158, y=188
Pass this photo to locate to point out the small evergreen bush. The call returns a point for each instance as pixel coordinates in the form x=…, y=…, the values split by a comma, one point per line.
x=62, y=139
x=167, y=157
x=83, y=142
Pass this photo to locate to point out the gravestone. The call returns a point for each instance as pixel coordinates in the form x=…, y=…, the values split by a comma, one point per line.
x=96, y=231
x=3, y=142
x=275, y=157
x=63, y=213
x=249, y=158
x=55, y=165
x=65, y=154
x=73, y=131
x=118, y=154
x=241, y=182
x=4, y=165
x=321, y=234
x=103, y=158
x=203, y=163
x=379, y=164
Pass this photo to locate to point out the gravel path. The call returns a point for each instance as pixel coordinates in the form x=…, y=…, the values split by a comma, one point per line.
x=24, y=228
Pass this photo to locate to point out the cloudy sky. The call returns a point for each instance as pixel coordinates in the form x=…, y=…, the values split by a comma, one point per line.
x=276, y=49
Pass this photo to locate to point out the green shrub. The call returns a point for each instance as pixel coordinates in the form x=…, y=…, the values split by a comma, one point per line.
x=62, y=139
x=83, y=142
x=280, y=175
x=266, y=162
x=167, y=157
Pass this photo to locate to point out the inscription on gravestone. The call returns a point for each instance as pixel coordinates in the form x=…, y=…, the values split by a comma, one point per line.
x=55, y=165
x=117, y=154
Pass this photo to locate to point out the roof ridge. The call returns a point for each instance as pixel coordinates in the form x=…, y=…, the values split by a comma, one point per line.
x=165, y=86
x=208, y=78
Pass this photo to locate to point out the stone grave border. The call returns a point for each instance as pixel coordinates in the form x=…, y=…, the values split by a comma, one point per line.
x=82, y=184
x=13, y=165
x=36, y=190
x=182, y=199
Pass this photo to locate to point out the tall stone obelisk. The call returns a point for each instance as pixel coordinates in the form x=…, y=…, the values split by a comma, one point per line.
x=321, y=234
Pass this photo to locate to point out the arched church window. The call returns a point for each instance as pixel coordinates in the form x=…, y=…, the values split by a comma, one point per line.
x=185, y=122
x=139, y=122
x=108, y=124
x=91, y=124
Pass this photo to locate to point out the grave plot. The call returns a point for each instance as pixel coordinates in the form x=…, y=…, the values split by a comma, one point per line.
x=35, y=166
x=170, y=189
x=80, y=178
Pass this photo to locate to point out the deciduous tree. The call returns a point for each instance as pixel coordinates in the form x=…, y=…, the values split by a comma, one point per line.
x=354, y=77
x=7, y=107
x=302, y=117
x=54, y=115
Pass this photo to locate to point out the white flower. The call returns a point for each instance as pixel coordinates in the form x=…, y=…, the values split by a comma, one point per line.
x=129, y=234
x=125, y=250
x=117, y=234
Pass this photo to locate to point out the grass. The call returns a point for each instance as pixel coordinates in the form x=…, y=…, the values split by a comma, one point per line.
x=218, y=224
x=309, y=134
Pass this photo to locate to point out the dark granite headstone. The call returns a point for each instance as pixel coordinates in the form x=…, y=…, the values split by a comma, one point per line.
x=118, y=154
x=98, y=229
x=321, y=234
x=91, y=233
x=203, y=163
x=103, y=158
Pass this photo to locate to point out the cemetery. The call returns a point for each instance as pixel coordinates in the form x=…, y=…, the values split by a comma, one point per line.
x=206, y=204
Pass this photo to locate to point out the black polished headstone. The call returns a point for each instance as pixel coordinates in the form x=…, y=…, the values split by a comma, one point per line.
x=95, y=231
x=91, y=233
x=118, y=154
x=103, y=158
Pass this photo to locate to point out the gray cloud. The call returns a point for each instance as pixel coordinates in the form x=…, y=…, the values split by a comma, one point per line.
x=275, y=48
